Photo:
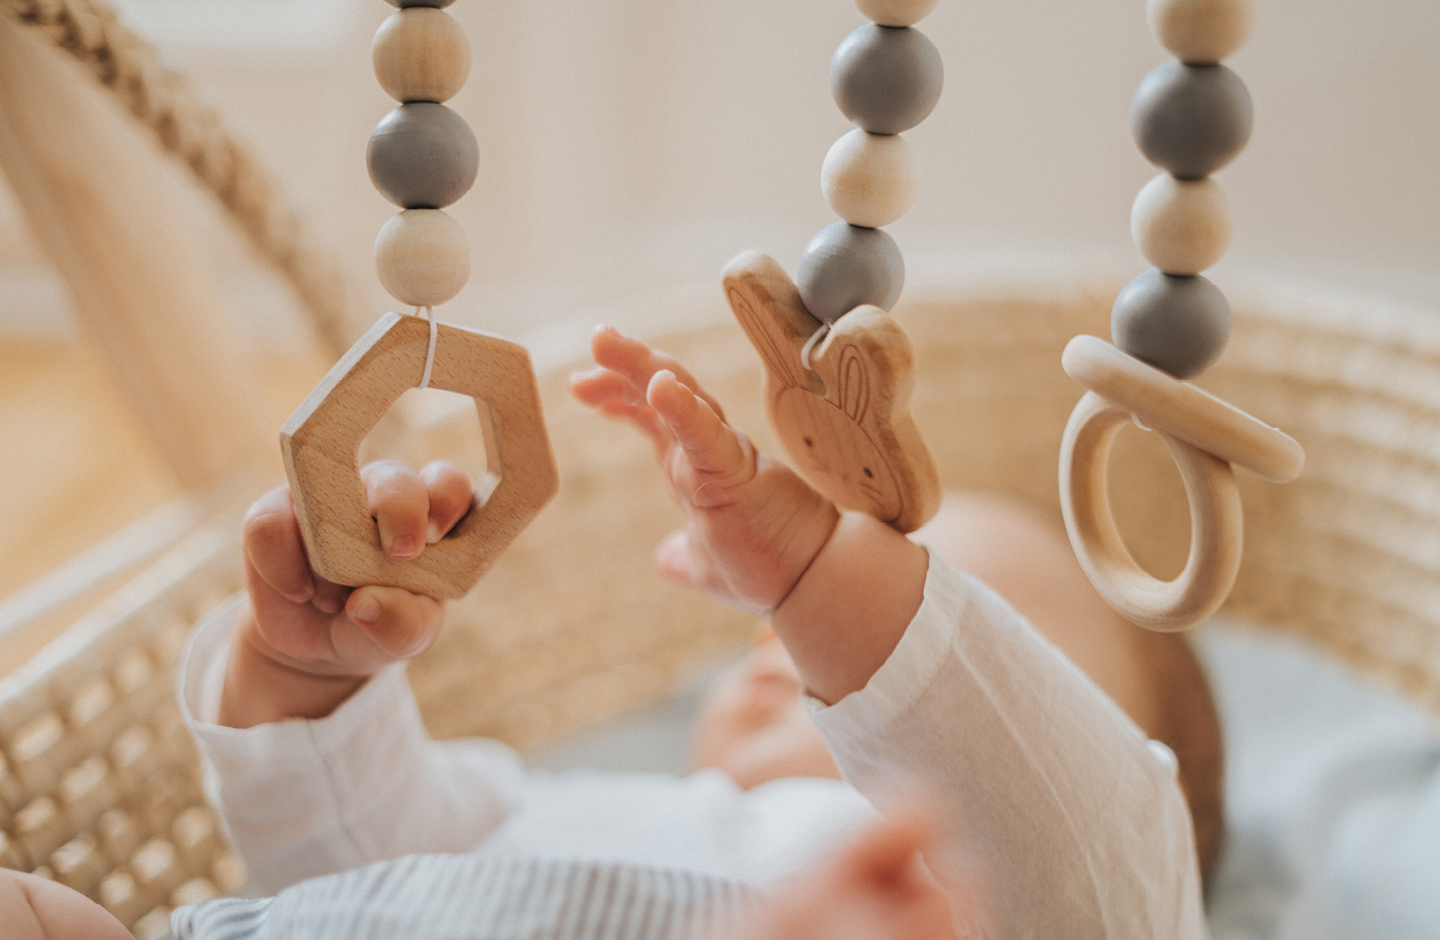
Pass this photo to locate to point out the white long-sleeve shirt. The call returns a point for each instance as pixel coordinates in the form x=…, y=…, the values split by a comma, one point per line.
x=1067, y=821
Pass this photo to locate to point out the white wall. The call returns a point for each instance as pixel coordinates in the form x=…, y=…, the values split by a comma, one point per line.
x=629, y=143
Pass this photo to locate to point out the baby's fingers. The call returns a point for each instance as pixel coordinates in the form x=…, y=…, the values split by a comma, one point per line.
x=397, y=499
x=393, y=625
x=613, y=395
x=449, y=496
x=271, y=536
x=713, y=451
x=638, y=363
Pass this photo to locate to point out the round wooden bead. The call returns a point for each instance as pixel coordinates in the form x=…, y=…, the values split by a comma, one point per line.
x=422, y=155
x=1201, y=32
x=844, y=266
x=422, y=258
x=868, y=179
x=895, y=12
x=1191, y=119
x=407, y=4
x=885, y=79
x=1182, y=226
x=421, y=54
x=1177, y=324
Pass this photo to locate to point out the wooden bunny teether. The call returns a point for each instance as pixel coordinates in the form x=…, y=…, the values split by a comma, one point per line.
x=845, y=420
x=838, y=370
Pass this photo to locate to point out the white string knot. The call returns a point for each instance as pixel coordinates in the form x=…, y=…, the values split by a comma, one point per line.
x=814, y=341
x=429, y=353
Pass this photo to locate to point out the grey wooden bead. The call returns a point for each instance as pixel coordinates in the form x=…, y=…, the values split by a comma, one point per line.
x=437, y=4
x=886, y=79
x=1177, y=324
x=845, y=266
x=422, y=155
x=1191, y=120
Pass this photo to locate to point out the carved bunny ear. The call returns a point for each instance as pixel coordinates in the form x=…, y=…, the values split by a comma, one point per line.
x=743, y=305
x=768, y=306
x=854, y=392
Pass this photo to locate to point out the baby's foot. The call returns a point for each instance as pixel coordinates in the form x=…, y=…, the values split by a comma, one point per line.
x=752, y=526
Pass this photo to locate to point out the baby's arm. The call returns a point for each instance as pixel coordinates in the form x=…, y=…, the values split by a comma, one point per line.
x=314, y=749
x=840, y=589
x=1059, y=810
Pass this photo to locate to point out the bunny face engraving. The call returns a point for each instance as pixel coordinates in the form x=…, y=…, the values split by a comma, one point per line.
x=855, y=466
x=845, y=422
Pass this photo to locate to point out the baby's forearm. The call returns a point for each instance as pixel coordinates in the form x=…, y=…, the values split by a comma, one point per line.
x=259, y=689
x=848, y=611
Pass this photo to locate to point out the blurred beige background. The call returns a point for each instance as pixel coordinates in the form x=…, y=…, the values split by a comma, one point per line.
x=633, y=144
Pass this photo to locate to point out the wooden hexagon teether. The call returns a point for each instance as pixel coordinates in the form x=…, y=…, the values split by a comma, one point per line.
x=321, y=443
x=845, y=421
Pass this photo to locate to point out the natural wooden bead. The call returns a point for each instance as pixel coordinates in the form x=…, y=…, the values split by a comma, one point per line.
x=1179, y=325
x=895, y=12
x=1201, y=32
x=422, y=258
x=1191, y=120
x=421, y=54
x=886, y=80
x=844, y=267
x=422, y=155
x=869, y=179
x=1182, y=226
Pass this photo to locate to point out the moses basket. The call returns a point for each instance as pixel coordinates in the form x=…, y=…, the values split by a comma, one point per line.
x=99, y=785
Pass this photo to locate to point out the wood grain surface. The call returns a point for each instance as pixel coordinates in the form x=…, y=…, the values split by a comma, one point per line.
x=321, y=444
x=845, y=422
x=1216, y=524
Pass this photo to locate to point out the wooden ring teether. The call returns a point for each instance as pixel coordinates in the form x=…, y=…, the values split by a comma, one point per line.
x=321, y=444
x=1216, y=524
x=1191, y=117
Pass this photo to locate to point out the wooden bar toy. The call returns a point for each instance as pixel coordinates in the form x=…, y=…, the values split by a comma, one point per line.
x=839, y=370
x=1190, y=117
x=423, y=157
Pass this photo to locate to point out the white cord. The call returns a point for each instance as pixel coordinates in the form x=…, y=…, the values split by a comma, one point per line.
x=812, y=342
x=430, y=353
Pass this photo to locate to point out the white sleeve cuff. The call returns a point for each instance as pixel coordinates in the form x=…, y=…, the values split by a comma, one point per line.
x=301, y=798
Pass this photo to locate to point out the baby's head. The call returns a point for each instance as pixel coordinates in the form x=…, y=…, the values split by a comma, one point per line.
x=754, y=725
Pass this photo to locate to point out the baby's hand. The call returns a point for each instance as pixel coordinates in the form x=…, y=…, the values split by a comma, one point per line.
x=306, y=643
x=753, y=526
x=872, y=889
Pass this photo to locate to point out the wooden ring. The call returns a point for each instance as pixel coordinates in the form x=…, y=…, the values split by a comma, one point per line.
x=1216, y=524
x=1181, y=410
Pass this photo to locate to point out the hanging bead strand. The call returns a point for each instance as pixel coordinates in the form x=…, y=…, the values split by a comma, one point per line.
x=886, y=77
x=1190, y=117
x=422, y=156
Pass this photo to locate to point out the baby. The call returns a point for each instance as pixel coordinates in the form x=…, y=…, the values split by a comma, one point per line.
x=1052, y=813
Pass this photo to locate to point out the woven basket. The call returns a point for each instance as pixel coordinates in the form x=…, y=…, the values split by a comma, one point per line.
x=98, y=786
